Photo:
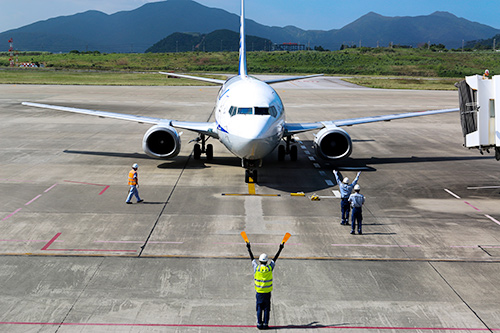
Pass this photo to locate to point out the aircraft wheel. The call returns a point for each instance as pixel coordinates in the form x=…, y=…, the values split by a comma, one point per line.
x=247, y=176
x=281, y=153
x=254, y=176
x=197, y=152
x=210, y=152
x=293, y=153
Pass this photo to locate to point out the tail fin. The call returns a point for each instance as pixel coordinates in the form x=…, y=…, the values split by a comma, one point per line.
x=242, y=70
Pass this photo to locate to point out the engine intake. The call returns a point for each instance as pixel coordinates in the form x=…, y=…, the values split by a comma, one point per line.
x=161, y=142
x=333, y=143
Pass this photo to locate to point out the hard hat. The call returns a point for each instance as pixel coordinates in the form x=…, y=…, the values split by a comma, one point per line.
x=346, y=180
x=263, y=257
x=357, y=187
x=135, y=166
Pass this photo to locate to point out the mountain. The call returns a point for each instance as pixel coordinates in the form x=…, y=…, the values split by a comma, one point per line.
x=137, y=30
x=437, y=28
x=219, y=40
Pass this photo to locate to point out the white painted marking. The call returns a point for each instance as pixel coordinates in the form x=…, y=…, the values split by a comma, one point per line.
x=491, y=218
x=312, y=158
x=303, y=147
x=317, y=166
x=482, y=187
x=322, y=173
x=307, y=152
x=328, y=182
x=336, y=193
x=453, y=194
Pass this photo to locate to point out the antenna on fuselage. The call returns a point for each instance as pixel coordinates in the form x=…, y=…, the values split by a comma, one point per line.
x=242, y=70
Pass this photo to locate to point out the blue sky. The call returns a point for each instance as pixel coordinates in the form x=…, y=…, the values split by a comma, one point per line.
x=305, y=14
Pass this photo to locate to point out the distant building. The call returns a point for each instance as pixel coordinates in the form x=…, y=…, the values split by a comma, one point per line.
x=289, y=47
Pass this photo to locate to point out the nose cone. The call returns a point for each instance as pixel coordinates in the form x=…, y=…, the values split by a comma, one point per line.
x=256, y=137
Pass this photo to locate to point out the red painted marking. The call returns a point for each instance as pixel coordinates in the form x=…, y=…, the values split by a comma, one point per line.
x=50, y=242
x=84, y=183
x=11, y=214
x=472, y=206
x=340, y=327
x=38, y=196
x=107, y=186
x=50, y=188
x=92, y=250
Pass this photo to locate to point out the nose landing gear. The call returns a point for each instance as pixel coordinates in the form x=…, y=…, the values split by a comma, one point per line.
x=251, y=169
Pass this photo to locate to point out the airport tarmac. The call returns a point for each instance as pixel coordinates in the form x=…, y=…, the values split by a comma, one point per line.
x=75, y=258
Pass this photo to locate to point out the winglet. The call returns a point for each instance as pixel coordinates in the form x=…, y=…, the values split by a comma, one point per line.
x=242, y=70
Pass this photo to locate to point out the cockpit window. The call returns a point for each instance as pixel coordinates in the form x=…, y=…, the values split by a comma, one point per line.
x=273, y=112
x=261, y=111
x=245, y=111
x=233, y=110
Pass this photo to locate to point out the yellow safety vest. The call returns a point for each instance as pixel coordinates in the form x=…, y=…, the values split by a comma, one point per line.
x=132, y=177
x=263, y=279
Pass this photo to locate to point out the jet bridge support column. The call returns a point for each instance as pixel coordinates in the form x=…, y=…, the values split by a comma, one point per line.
x=480, y=113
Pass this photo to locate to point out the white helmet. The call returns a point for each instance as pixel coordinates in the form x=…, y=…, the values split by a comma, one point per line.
x=135, y=166
x=346, y=180
x=357, y=187
x=263, y=257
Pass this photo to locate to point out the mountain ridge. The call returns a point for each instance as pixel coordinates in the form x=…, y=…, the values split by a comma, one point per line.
x=137, y=30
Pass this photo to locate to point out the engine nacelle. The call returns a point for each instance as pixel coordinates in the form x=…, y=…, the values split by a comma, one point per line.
x=161, y=142
x=333, y=143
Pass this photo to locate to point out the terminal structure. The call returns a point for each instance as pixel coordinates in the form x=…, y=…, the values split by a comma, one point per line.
x=479, y=114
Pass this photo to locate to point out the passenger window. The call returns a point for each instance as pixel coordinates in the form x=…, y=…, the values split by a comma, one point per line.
x=245, y=111
x=261, y=111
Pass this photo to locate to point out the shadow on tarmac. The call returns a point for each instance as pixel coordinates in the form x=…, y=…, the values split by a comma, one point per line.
x=313, y=325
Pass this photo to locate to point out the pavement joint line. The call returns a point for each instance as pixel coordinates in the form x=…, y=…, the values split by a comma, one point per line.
x=275, y=327
x=194, y=257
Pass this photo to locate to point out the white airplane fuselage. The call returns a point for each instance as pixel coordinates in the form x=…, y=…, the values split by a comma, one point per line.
x=250, y=117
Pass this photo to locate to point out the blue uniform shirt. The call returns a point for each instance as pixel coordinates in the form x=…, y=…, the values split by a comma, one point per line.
x=345, y=189
x=357, y=200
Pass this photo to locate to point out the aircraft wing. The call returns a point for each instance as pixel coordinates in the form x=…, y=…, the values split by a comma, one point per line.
x=294, y=78
x=199, y=127
x=295, y=128
x=198, y=78
x=373, y=119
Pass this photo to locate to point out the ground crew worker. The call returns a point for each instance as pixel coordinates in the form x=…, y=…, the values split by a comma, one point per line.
x=345, y=191
x=357, y=200
x=263, y=278
x=133, y=181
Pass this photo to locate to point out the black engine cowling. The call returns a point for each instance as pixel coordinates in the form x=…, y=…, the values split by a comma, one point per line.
x=161, y=142
x=333, y=143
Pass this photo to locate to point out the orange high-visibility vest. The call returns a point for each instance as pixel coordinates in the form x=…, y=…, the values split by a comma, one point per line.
x=132, y=177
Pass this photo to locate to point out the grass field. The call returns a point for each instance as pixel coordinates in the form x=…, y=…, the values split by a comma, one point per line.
x=408, y=68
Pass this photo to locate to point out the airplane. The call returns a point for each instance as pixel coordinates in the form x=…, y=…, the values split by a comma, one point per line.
x=249, y=122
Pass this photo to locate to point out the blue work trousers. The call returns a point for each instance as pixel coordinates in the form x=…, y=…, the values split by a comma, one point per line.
x=263, y=308
x=133, y=191
x=357, y=216
x=345, y=207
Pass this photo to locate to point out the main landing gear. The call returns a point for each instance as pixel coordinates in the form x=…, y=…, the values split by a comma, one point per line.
x=288, y=149
x=251, y=170
x=208, y=149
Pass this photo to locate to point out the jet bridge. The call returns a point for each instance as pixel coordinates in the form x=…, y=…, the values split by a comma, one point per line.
x=479, y=114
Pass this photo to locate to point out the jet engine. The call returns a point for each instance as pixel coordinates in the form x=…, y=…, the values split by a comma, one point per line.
x=161, y=142
x=332, y=143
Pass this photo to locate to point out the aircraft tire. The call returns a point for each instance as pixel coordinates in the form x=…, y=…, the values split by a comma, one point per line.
x=281, y=153
x=197, y=152
x=293, y=153
x=210, y=152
